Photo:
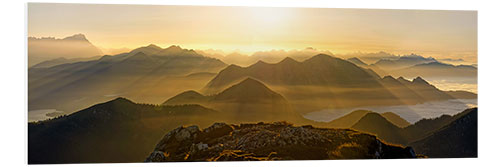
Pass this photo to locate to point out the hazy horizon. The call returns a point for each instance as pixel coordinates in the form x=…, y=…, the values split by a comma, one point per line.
x=117, y=28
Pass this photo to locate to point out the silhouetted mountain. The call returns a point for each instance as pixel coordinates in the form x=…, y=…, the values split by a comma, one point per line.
x=270, y=141
x=116, y=131
x=328, y=82
x=395, y=119
x=401, y=88
x=249, y=100
x=434, y=131
x=149, y=70
x=462, y=94
x=370, y=58
x=150, y=50
x=348, y=120
x=47, y=48
x=352, y=118
x=455, y=140
x=322, y=78
x=318, y=70
x=437, y=69
x=403, y=62
x=425, y=90
x=375, y=123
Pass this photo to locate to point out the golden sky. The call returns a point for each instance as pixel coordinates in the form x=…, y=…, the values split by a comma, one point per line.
x=445, y=34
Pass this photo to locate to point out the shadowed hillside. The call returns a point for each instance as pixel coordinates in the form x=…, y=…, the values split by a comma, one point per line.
x=427, y=130
x=115, y=131
x=455, y=140
x=374, y=123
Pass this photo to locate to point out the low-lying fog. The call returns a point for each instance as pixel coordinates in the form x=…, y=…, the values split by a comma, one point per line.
x=412, y=113
x=454, y=83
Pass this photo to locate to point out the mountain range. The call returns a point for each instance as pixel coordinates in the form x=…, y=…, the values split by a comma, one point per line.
x=47, y=48
x=194, y=89
x=328, y=82
x=149, y=70
x=71, y=84
x=437, y=69
x=248, y=100
x=271, y=56
x=445, y=136
x=413, y=65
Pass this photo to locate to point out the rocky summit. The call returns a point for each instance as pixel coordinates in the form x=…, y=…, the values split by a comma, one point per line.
x=271, y=141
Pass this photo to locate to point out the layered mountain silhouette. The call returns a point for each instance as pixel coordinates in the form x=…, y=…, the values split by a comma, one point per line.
x=395, y=119
x=328, y=82
x=455, y=140
x=149, y=70
x=248, y=100
x=321, y=69
x=413, y=65
x=403, y=61
x=375, y=123
x=421, y=88
x=115, y=131
x=47, y=48
x=352, y=118
x=271, y=56
x=459, y=132
x=437, y=69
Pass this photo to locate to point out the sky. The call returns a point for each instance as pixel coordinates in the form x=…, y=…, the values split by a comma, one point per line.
x=440, y=34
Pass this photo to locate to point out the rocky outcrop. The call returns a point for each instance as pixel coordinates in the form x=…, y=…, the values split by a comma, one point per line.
x=270, y=141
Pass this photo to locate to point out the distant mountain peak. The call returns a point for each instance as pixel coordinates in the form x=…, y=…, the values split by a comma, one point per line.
x=288, y=60
x=259, y=63
x=420, y=80
x=153, y=46
x=120, y=100
x=401, y=79
x=192, y=92
x=435, y=63
x=76, y=37
x=233, y=66
x=174, y=47
x=416, y=56
x=249, y=87
x=321, y=56
x=251, y=82
x=388, y=77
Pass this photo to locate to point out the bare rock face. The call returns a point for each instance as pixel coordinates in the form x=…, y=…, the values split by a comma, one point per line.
x=271, y=141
